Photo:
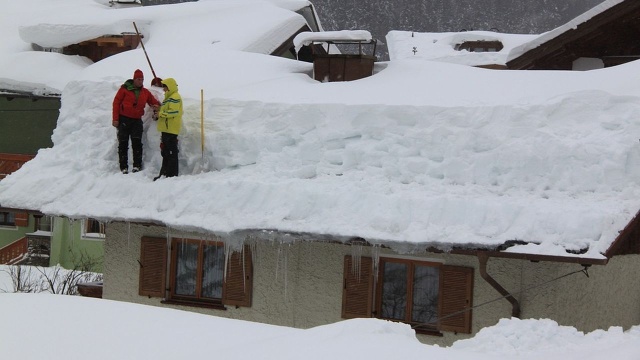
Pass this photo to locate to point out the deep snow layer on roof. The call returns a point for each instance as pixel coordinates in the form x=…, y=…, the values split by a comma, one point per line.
x=421, y=153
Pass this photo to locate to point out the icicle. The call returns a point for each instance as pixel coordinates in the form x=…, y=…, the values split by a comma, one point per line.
x=278, y=260
x=375, y=256
x=286, y=270
x=128, y=234
x=282, y=264
x=227, y=255
x=168, y=236
x=253, y=246
x=244, y=271
x=73, y=232
x=356, y=259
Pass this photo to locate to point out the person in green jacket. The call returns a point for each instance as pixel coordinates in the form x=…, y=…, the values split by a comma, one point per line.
x=169, y=125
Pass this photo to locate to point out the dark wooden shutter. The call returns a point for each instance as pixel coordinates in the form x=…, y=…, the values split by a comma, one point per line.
x=357, y=291
x=22, y=219
x=238, y=282
x=457, y=295
x=153, y=266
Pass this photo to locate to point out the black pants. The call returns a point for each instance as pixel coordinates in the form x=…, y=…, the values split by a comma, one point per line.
x=129, y=128
x=169, y=151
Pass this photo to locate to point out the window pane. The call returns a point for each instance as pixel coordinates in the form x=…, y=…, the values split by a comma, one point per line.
x=213, y=272
x=425, y=294
x=44, y=223
x=7, y=218
x=394, y=291
x=186, y=268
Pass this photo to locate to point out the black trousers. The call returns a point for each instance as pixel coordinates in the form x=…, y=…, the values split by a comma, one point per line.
x=169, y=151
x=129, y=128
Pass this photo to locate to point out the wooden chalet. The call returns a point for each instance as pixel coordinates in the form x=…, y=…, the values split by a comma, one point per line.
x=610, y=36
x=104, y=46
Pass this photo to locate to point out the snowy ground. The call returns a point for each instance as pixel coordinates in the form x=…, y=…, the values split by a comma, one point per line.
x=61, y=327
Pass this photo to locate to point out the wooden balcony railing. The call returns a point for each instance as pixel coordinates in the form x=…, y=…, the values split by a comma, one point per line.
x=14, y=252
x=12, y=162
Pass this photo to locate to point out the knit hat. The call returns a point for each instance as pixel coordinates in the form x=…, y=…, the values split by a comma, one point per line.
x=138, y=74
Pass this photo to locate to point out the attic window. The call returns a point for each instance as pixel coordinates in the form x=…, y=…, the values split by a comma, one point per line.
x=480, y=46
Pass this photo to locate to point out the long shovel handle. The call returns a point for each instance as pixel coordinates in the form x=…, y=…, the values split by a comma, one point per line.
x=145, y=50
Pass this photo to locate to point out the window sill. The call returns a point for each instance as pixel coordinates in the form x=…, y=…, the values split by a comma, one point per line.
x=418, y=329
x=194, y=304
x=92, y=237
x=428, y=332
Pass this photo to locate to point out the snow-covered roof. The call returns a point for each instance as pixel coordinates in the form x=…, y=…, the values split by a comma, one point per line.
x=420, y=154
x=443, y=46
x=259, y=26
x=307, y=37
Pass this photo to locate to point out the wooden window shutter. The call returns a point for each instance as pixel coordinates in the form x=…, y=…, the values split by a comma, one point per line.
x=457, y=295
x=238, y=282
x=357, y=291
x=153, y=266
x=22, y=219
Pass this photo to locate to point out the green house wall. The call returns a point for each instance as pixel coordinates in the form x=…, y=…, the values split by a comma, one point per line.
x=69, y=246
x=9, y=234
x=27, y=123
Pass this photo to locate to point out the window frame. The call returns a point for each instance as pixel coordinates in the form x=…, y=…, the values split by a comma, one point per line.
x=410, y=282
x=44, y=223
x=88, y=225
x=157, y=273
x=176, y=243
x=361, y=296
x=5, y=219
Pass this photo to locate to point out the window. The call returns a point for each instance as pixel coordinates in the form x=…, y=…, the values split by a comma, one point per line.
x=480, y=46
x=198, y=270
x=7, y=219
x=93, y=229
x=409, y=291
x=430, y=296
x=18, y=219
x=196, y=274
x=43, y=223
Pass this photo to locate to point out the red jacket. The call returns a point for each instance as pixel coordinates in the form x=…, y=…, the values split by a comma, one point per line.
x=126, y=102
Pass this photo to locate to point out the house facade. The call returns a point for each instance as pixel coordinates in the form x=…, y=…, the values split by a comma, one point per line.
x=303, y=282
x=26, y=126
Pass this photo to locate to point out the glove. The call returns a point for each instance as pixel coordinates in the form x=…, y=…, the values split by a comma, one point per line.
x=115, y=123
x=156, y=82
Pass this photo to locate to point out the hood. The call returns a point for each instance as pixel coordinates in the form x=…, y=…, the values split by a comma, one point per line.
x=171, y=85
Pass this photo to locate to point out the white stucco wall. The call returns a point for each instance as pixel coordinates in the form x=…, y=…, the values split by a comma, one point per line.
x=300, y=285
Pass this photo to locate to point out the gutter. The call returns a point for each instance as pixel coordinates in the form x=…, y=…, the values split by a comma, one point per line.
x=483, y=257
x=532, y=257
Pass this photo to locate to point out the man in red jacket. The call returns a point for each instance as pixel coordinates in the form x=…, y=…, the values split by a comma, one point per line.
x=128, y=108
